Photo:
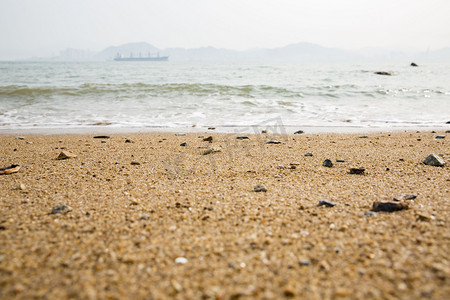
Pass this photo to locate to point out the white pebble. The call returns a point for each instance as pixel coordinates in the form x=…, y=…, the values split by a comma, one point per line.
x=181, y=260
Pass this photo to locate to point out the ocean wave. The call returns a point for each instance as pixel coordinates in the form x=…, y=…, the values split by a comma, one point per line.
x=139, y=89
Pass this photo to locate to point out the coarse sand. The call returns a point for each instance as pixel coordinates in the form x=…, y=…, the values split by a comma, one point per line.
x=160, y=215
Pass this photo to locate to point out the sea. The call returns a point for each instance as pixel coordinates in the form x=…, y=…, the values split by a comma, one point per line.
x=58, y=97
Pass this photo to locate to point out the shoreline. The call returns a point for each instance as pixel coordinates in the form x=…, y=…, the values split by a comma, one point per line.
x=254, y=129
x=160, y=215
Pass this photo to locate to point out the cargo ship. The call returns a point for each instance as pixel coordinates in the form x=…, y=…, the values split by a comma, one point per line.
x=120, y=57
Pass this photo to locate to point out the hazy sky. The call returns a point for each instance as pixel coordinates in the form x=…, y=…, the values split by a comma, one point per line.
x=44, y=27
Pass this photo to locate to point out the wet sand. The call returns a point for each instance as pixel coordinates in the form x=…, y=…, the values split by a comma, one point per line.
x=138, y=216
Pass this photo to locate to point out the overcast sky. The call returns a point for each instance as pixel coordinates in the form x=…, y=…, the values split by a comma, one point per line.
x=44, y=27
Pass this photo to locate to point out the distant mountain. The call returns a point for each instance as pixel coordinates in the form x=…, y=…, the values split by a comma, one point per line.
x=300, y=52
x=435, y=55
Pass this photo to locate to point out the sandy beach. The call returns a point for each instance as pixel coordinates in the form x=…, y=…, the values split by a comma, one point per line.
x=166, y=215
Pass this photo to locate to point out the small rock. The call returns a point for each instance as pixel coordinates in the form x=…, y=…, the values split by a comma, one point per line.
x=439, y=137
x=128, y=141
x=260, y=188
x=424, y=217
x=327, y=203
x=242, y=137
x=103, y=142
x=208, y=139
x=10, y=170
x=340, y=160
x=264, y=131
x=370, y=213
x=359, y=170
x=211, y=150
x=135, y=163
x=22, y=187
x=304, y=262
x=403, y=197
x=383, y=73
x=180, y=134
x=183, y=144
x=363, y=137
x=181, y=260
x=101, y=137
x=434, y=160
x=389, y=206
x=413, y=64
x=299, y=132
x=66, y=155
x=327, y=163
x=273, y=142
x=308, y=154
x=20, y=138
x=60, y=209
x=211, y=128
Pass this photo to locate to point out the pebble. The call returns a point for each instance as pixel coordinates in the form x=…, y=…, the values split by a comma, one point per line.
x=370, y=213
x=273, y=142
x=135, y=163
x=402, y=197
x=211, y=150
x=181, y=260
x=434, y=160
x=388, y=206
x=299, y=132
x=180, y=134
x=128, y=141
x=66, y=155
x=424, y=217
x=359, y=170
x=340, y=160
x=260, y=188
x=304, y=262
x=363, y=137
x=183, y=144
x=327, y=203
x=242, y=137
x=9, y=170
x=438, y=137
x=308, y=154
x=61, y=209
x=208, y=139
x=327, y=163
x=101, y=137
x=20, y=138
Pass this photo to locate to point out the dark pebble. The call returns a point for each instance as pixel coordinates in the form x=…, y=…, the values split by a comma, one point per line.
x=101, y=137
x=299, y=132
x=60, y=209
x=440, y=137
x=273, y=142
x=389, y=206
x=359, y=170
x=260, y=188
x=327, y=163
x=242, y=137
x=308, y=154
x=208, y=139
x=183, y=144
